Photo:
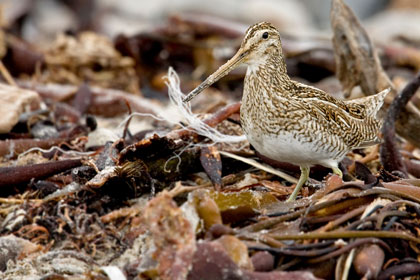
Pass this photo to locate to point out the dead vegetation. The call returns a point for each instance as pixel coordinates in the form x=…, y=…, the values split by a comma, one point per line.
x=87, y=193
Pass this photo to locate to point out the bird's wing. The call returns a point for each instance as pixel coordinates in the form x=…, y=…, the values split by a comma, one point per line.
x=330, y=112
x=365, y=144
x=346, y=109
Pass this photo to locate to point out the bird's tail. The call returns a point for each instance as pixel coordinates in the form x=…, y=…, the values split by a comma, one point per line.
x=372, y=105
x=373, y=102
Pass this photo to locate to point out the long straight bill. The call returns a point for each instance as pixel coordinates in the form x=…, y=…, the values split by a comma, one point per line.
x=223, y=70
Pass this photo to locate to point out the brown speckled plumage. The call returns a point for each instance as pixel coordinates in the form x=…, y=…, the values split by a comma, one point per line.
x=289, y=121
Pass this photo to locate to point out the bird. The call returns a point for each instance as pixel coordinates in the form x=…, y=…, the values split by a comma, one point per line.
x=289, y=121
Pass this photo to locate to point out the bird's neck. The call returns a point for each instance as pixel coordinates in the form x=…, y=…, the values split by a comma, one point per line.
x=266, y=85
x=267, y=75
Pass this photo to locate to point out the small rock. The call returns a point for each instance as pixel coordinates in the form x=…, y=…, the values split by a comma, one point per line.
x=263, y=261
x=13, y=102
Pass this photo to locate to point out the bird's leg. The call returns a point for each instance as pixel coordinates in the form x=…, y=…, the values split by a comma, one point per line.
x=337, y=171
x=304, y=175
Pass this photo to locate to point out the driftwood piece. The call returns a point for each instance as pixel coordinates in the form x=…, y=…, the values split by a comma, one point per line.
x=390, y=155
x=13, y=147
x=356, y=58
x=104, y=101
x=21, y=174
x=358, y=64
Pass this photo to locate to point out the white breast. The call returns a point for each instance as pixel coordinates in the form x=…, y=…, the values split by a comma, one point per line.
x=287, y=147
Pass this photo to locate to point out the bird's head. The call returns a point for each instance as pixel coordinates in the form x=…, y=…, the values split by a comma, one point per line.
x=261, y=40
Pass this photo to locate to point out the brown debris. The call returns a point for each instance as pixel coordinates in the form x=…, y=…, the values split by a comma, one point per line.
x=358, y=64
x=212, y=164
x=400, y=271
x=237, y=251
x=212, y=262
x=368, y=261
x=403, y=56
x=83, y=99
x=165, y=158
x=356, y=57
x=173, y=237
x=20, y=174
x=207, y=209
x=13, y=101
x=390, y=156
x=11, y=148
x=105, y=102
x=404, y=188
x=155, y=200
x=14, y=248
x=90, y=58
x=262, y=261
x=22, y=58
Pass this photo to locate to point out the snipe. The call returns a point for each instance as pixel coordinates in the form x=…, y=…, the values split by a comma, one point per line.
x=289, y=121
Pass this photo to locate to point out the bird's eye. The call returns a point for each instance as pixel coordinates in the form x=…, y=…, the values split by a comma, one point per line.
x=265, y=35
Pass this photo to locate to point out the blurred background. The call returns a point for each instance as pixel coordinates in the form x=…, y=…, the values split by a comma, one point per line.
x=130, y=44
x=39, y=20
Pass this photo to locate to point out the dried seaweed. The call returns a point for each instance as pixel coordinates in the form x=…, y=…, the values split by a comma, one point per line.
x=390, y=156
x=89, y=58
x=95, y=181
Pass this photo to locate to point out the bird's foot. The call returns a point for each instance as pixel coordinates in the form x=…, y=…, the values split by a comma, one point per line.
x=337, y=171
x=304, y=175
